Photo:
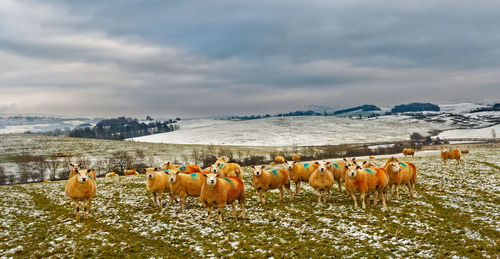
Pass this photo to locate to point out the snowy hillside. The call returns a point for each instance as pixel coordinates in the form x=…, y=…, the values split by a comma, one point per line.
x=303, y=130
x=460, y=107
x=38, y=123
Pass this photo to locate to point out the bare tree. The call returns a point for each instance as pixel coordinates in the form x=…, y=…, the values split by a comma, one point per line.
x=53, y=163
x=122, y=161
x=23, y=164
x=3, y=176
x=40, y=166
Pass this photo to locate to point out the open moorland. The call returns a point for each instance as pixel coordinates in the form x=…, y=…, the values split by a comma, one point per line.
x=456, y=213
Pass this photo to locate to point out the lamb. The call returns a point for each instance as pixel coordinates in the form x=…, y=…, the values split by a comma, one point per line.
x=157, y=184
x=81, y=187
x=219, y=191
x=130, y=172
x=401, y=173
x=366, y=181
x=111, y=174
x=264, y=180
x=322, y=181
x=184, y=185
x=299, y=173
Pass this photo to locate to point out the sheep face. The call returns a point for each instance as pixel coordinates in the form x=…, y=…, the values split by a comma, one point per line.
x=322, y=165
x=215, y=168
x=258, y=170
x=395, y=167
x=352, y=170
x=76, y=166
x=211, y=178
x=222, y=159
x=172, y=176
x=83, y=175
x=289, y=164
x=350, y=161
x=150, y=172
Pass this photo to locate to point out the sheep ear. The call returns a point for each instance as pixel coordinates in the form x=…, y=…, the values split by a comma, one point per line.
x=345, y=159
x=327, y=163
x=72, y=165
x=358, y=167
x=353, y=159
x=177, y=172
x=204, y=175
x=316, y=163
x=262, y=167
x=144, y=170
x=156, y=169
x=80, y=164
x=209, y=165
x=252, y=166
x=218, y=164
x=364, y=162
x=90, y=170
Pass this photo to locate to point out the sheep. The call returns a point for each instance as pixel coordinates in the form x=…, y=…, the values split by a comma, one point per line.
x=296, y=158
x=184, y=185
x=401, y=173
x=321, y=180
x=369, y=164
x=264, y=180
x=157, y=184
x=169, y=166
x=371, y=157
x=189, y=169
x=450, y=154
x=366, y=181
x=46, y=181
x=130, y=172
x=299, y=172
x=75, y=167
x=227, y=169
x=338, y=170
x=279, y=160
x=81, y=187
x=219, y=191
x=111, y=174
x=409, y=152
x=464, y=151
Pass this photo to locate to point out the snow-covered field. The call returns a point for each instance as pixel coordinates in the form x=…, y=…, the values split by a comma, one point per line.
x=471, y=133
x=301, y=131
x=455, y=214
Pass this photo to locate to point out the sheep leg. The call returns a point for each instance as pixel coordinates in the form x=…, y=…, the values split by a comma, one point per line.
x=172, y=198
x=319, y=196
x=375, y=199
x=233, y=204
x=242, y=205
x=263, y=196
x=183, y=202
x=289, y=193
x=90, y=205
x=297, y=187
x=382, y=196
x=219, y=212
x=85, y=204
x=397, y=192
x=355, y=200
x=325, y=196
x=258, y=195
x=329, y=193
x=77, y=210
x=389, y=192
x=154, y=199
x=410, y=187
x=362, y=197
x=208, y=216
x=340, y=185
x=281, y=193
x=160, y=195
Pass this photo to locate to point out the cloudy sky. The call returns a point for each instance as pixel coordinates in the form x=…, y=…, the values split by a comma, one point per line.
x=198, y=58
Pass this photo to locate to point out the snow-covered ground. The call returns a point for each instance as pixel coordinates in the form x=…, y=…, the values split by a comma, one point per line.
x=460, y=107
x=301, y=131
x=471, y=133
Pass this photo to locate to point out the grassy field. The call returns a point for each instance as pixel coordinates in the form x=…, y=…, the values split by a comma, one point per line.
x=456, y=213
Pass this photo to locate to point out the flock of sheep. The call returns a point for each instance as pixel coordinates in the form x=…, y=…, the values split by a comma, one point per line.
x=222, y=183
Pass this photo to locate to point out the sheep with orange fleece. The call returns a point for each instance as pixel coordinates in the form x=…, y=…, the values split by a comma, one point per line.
x=264, y=180
x=409, y=152
x=187, y=169
x=338, y=170
x=365, y=181
x=111, y=174
x=401, y=173
x=225, y=168
x=296, y=158
x=450, y=154
x=369, y=164
x=157, y=184
x=169, y=166
x=81, y=187
x=130, y=172
x=321, y=180
x=184, y=185
x=299, y=172
x=464, y=151
x=219, y=191
x=279, y=160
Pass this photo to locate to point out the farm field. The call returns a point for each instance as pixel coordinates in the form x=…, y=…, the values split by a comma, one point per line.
x=456, y=213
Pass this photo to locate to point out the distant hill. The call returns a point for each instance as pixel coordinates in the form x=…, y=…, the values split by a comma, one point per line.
x=415, y=107
x=364, y=108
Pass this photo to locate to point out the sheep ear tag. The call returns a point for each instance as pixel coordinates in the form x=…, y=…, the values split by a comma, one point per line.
x=403, y=164
x=369, y=170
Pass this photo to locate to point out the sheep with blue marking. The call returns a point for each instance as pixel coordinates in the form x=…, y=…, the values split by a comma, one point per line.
x=184, y=185
x=217, y=191
x=226, y=169
x=264, y=180
x=299, y=172
x=321, y=181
